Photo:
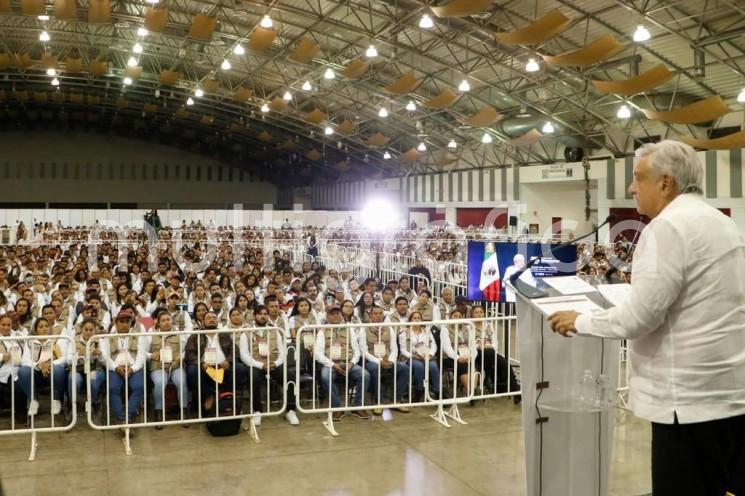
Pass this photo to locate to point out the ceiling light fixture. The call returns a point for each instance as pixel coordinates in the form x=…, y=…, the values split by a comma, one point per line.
x=486, y=138
x=225, y=66
x=199, y=93
x=55, y=82
x=411, y=106
x=43, y=17
x=624, y=112
x=386, y=155
x=328, y=131
x=426, y=22
x=239, y=50
x=266, y=22
x=329, y=74
x=265, y=108
x=641, y=34
x=547, y=128
x=741, y=96
x=137, y=48
x=287, y=96
x=464, y=86
x=190, y=101
x=153, y=2
x=51, y=72
x=127, y=81
x=132, y=62
x=142, y=32
x=452, y=144
x=306, y=86
x=422, y=147
x=371, y=52
x=532, y=66
x=44, y=36
x=383, y=112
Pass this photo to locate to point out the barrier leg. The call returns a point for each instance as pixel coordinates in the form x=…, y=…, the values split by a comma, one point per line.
x=329, y=424
x=125, y=440
x=454, y=414
x=251, y=428
x=440, y=417
x=32, y=454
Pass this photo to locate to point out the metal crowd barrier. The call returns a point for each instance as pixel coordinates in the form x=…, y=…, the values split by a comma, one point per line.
x=25, y=350
x=239, y=376
x=624, y=370
x=308, y=355
x=495, y=362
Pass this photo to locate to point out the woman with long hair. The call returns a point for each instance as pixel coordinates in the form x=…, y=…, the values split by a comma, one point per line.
x=198, y=315
x=43, y=362
x=418, y=347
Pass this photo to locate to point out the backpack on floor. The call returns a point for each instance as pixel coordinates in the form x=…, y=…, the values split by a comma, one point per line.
x=222, y=428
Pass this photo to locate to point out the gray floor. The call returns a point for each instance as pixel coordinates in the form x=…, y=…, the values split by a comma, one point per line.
x=409, y=455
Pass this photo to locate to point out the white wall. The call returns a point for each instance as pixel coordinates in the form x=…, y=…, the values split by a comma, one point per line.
x=565, y=199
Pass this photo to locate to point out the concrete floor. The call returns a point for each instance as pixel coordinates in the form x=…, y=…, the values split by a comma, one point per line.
x=410, y=455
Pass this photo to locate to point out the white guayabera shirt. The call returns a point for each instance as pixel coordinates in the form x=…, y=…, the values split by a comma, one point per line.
x=685, y=316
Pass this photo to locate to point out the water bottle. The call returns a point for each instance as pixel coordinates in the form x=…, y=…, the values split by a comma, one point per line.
x=587, y=387
x=602, y=393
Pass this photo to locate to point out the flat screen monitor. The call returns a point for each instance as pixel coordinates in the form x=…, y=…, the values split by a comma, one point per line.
x=490, y=265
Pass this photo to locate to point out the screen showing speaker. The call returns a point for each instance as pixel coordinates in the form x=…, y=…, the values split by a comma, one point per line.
x=490, y=265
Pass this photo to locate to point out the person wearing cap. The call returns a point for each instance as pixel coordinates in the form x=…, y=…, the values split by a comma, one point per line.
x=337, y=352
x=124, y=356
x=179, y=316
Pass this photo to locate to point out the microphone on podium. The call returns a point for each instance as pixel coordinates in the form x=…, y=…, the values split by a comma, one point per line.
x=530, y=291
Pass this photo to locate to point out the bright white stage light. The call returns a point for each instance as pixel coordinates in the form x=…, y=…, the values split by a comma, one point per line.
x=379, y=214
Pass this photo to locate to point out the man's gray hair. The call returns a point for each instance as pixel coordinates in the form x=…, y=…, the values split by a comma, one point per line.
x=678, y=161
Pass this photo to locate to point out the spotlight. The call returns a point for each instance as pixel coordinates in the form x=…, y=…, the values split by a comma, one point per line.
x=307, y=86
x=190, y=101
x=266, y=22
x=239, y=50
x=426, y=22
x=51, y=72
x=55, y=82
x=225, y=66
x=411, y=106
x=422, y=147
x=383, y=112
x=641, y=34
x=547, y=128
x=328, y=131
x=287, y=96
x=452, y=144
x=142, y=32
x=199, y=93
x=265, y=108
x=379, y=214
x=329, y=74
x=623, y=112
x=44, y=36
x=43, y=17
x=464, y=86
x=532, y=66
x=137, y=48
x=741, y=96
x=127, y=81
x=371, y=52
x=486, y=138
x=132, y=62
x=386, y=155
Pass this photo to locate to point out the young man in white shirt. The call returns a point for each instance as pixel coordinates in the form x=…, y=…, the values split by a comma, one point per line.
x=685, y=320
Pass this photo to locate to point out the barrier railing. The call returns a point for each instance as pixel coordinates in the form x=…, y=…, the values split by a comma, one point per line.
x=32, y=363
x=624, y=370
x=214, y=376
x=496, y=337
x=340, y=353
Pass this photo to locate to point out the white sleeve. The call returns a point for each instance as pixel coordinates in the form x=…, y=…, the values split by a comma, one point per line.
x=281, y=350
x=364, y=349
x=447, y=346
x=142, y=352
x=319, y=351
x=656, y=282
x=245, y=354
x=355, y=345
x=63, y=346
x=402, y=337
x=393, y=355
x=105, y=346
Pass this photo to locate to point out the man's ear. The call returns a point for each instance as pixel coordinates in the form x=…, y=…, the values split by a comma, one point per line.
x=668, y=183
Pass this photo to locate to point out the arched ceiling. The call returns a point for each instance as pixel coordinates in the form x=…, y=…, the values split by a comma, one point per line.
x=278, y=142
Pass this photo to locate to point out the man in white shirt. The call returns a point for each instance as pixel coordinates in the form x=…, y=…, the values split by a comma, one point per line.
x=518, y=262
x=685, y=319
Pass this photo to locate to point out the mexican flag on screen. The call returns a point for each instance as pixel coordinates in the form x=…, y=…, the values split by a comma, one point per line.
x=489, y=284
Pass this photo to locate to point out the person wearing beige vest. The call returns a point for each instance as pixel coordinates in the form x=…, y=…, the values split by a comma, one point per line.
x=379, y=347
x=337, y=352
x=44, y=361
x=458, y=345
x=165, y=354
x=418, y=347
x=124, y=356
x=424, y=305
x=263, y=351
x=76, y=362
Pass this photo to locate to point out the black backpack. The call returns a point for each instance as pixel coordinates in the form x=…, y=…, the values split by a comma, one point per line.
x=222, y=428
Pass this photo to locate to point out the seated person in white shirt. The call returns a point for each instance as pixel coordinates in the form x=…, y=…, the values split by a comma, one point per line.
x=459, y=350
x=10, y=360
x=494, y=367
x=125, y=357
x=263, y=350
x=379, y=347
x=166, y=353
x=216, y=350
x=417, y=345
x=386, y=301
x=77, y=365
x=337, y=352
x=44, y=362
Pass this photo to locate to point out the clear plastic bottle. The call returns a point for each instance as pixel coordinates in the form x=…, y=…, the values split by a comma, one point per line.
x=602, y=393
x=587, y=387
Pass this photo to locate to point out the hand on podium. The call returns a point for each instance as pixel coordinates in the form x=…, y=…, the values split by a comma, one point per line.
x=563, y=322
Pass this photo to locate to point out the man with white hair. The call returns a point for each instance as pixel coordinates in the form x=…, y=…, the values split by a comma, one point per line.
x=518, y=262
x=685, y=319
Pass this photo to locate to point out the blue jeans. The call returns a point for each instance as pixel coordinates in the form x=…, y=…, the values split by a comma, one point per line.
x=160, y=379
x=98, y=377
x=417, y=376
x=58, y=387
x=328, y=376
x=136, y=384
x=402, y=380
